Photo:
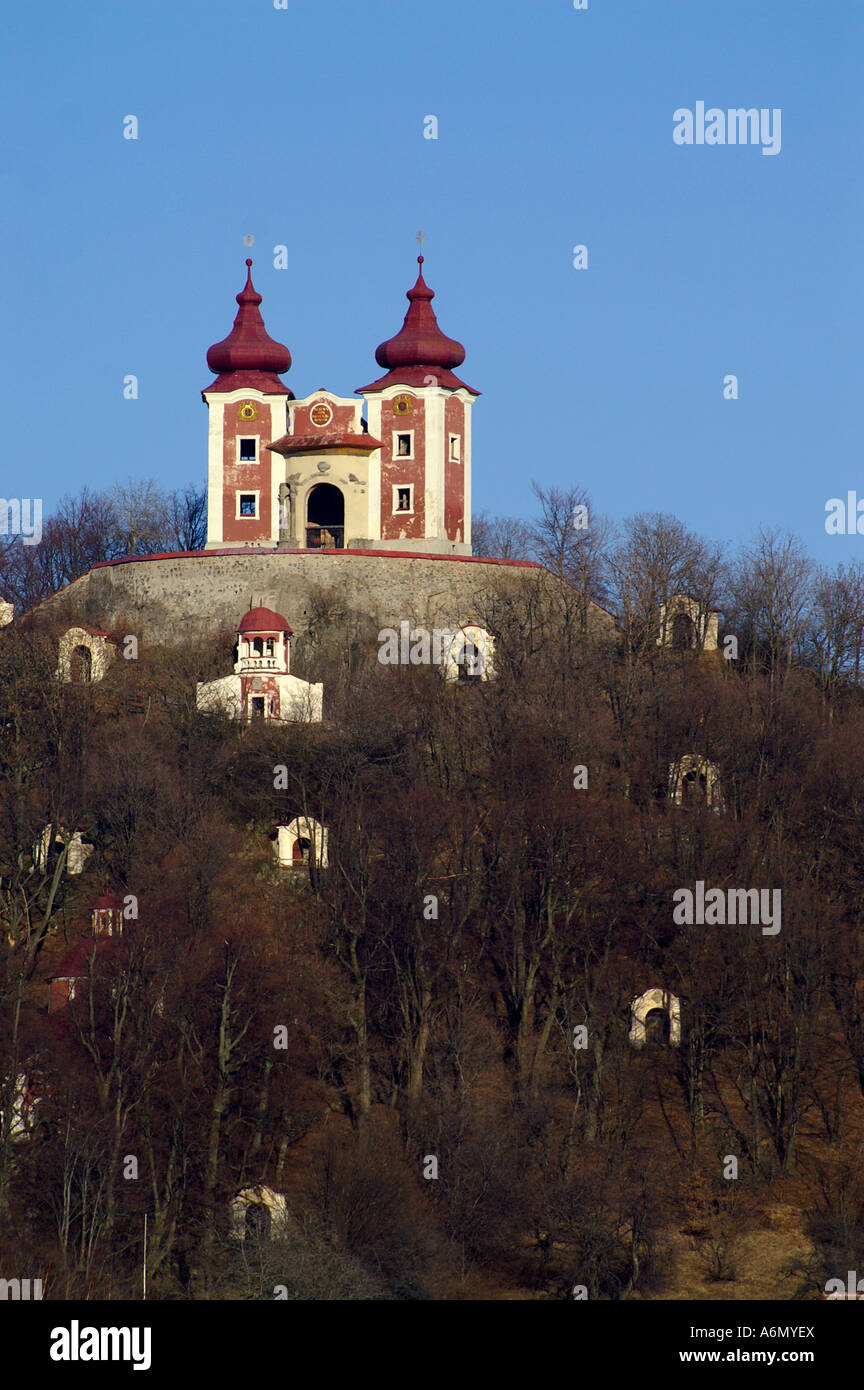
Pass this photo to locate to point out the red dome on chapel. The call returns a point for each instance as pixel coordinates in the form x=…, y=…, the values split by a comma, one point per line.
x=419, y=349
x=249, y=356
x=109, y=899
x=263, y=620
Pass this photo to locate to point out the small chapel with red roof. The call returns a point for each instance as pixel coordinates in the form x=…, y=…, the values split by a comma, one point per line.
x=92, y=956
x=388, y=471
x=262, y=686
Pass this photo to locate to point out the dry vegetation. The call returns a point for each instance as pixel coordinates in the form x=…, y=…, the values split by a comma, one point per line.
x=451, y=1037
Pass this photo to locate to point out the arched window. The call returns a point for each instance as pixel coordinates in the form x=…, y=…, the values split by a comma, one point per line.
x=325, y=518
x=300, y=853
x=81, y=666
x=683, y=632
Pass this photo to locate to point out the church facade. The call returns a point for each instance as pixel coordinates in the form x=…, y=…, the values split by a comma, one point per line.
x=388, y=471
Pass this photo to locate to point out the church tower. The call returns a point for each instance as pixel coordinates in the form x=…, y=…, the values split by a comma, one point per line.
x=421, y=413
x=247, y=405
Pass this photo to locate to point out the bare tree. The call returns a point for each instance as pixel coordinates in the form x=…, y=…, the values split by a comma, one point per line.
x=501, y=537
x=80, y=533
x=656, y=559
x=571, y=540
x=188, y=518
x=770, y=600
x=834, y=637
x=142, y=514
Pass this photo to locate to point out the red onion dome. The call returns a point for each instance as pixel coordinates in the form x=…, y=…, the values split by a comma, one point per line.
x=420, y=342
x=419, y=349
x=249, y=356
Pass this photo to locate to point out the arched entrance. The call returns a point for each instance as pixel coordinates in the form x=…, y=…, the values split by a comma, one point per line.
x=657, y=1026
x=470, y=662
x=325, y=518
x=81, y=666
x=655, y=1019
x=694, y=787
x=300, y=853
x=683, y=632
x=258, y=1222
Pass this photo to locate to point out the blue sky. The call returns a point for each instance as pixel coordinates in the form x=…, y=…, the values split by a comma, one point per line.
x=304, y=127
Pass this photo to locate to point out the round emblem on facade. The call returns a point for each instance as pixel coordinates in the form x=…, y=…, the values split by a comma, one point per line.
x=248, y=411
x=321, y=414
x=401, y=405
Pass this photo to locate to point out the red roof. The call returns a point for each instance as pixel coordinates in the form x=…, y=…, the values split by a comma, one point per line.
x=418, y=376
x=75, y=964
x=263, y=620
x=249, y=356
x=108, y=900
x=419, y=349
x=362, y=554
x=321, y=443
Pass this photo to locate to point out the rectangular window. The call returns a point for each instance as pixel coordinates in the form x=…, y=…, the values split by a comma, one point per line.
x=247, y=504
x=257, y=704
x=403, y=498
x=248, y=450
x=454, y=448
x=403, y=446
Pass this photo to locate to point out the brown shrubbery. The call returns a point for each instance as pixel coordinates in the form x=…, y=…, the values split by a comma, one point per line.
x=476, y=910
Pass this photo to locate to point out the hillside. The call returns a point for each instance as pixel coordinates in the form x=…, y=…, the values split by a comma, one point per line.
x=428, y=1044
